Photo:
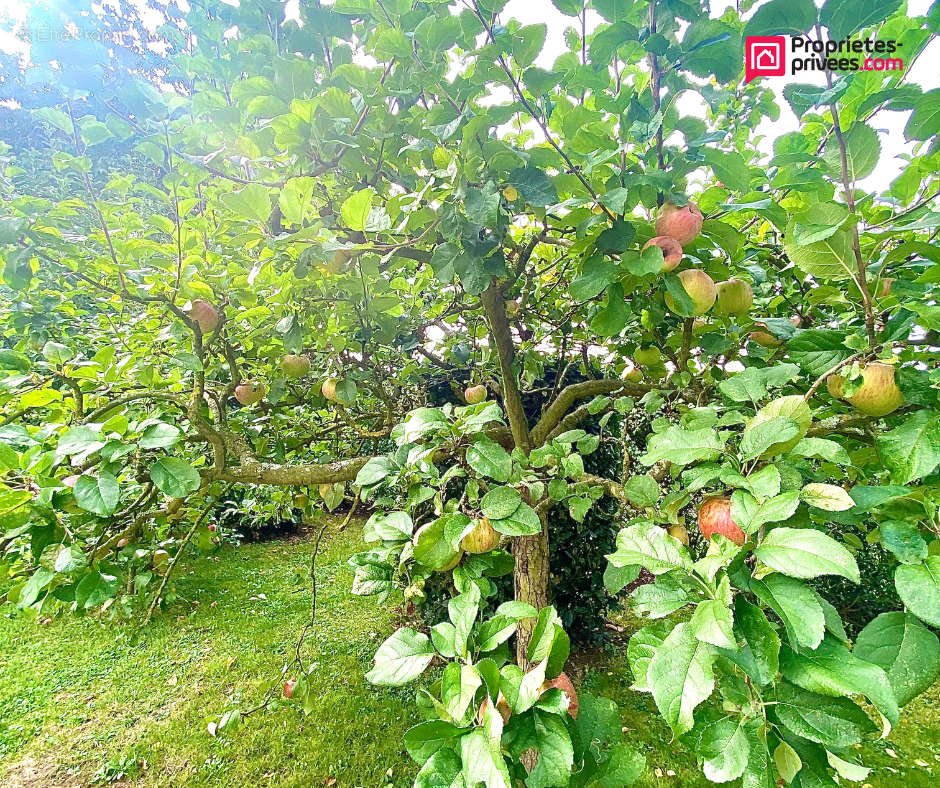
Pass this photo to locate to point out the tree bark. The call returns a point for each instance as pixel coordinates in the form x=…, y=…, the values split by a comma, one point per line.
x=530, y=583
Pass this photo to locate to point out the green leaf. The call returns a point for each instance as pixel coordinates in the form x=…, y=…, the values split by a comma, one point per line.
x=711, y=623
x=712, y=47
x=356, y=208
x=683, y=447
x=99, y=494
x=482, y=760
x=782, y=17
x=759, y=654
x=649, y=546
x=441, y=770
x=95, y=589
x=458, y=686
x=924, y=122
x=759, y=437
x=662, y=597
x=832, y=722
x=490, y=459
x=680, y=677
x=831, y=258
x=862, y=151
x=823, y=449
x=500, y=502
x=905, y=649
x=835, y=671
x=919, y=588
x=829, y=497
x=401, y=658
x=725, y=748
x=79, y=440
x=597, y=273
x=159, y=436
x=431, y=546
x=806, y=553
x=374, y=471
x=797, y=606
x=904, y=540
x=175, y=477
x=523, y=521
x=844, y=17
x=57, y=353
x=911, y=450
x=642, y=491
x=533, y=184
x=251, y=203
x=642, y=647
x=751, y=515
x=549, y=735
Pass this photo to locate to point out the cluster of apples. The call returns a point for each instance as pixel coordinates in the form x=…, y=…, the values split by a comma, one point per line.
x=677, y=226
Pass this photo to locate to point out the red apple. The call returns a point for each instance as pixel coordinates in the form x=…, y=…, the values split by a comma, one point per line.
x=204, y=315
x=684, y=224
x=249, y=393
x=672, y=251
x=289, y=688
x=212, y=527
x=714, y=517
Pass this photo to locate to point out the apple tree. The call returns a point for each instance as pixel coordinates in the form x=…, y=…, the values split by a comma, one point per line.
x=327, y=209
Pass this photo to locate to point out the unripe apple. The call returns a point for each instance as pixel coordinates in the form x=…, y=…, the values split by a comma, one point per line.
x=160, y=557
x=879, y=395
x=295, y=366
x=679, y=532
x=648, y=356
x=249, y=393
x=764, y=339
x=482, y=538
x=475, y=394
x=714, y=517
x=633, y=376
x=512, y=309
x=70, y=481
x=453, y=563
x=122, y=542
x=204, y=315
x=562, y=682
x=735, y=297
x=337, y=263
x=511, y=193
x=328, y=389
x=700, y=287
x=289, y=688
x=301, y=500
x=672, y=251
x=325, y=490
x=684, y=224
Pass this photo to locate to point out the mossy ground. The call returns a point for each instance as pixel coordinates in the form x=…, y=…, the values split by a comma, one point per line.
x=84, y=702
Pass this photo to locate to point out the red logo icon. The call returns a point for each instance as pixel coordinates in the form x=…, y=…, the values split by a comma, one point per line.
x=764, y=56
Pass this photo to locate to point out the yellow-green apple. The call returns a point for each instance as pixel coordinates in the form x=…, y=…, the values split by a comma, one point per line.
x=294, y=365
x=249, y=393
x=700, y=287
x=475, y=394
x=482, y=538
x=735, y=297
x=878, y=395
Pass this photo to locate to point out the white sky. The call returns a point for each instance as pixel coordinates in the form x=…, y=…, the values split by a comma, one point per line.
x=890, y=124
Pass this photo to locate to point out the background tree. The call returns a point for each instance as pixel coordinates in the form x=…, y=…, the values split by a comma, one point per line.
x=338, y=204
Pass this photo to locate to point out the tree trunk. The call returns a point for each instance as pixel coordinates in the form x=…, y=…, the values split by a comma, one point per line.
x=530, y=581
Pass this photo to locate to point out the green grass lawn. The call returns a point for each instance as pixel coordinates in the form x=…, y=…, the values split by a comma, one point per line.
x=81, y=701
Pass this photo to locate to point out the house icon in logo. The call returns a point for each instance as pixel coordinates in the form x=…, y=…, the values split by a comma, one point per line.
x=764, y=56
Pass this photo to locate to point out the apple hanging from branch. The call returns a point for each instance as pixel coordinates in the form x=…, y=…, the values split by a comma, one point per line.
x=682, y=223
x=878, y=394
x=294, y=365
x=714, y=517
x=249, y=393
x=700, y=287
x=672, y=251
